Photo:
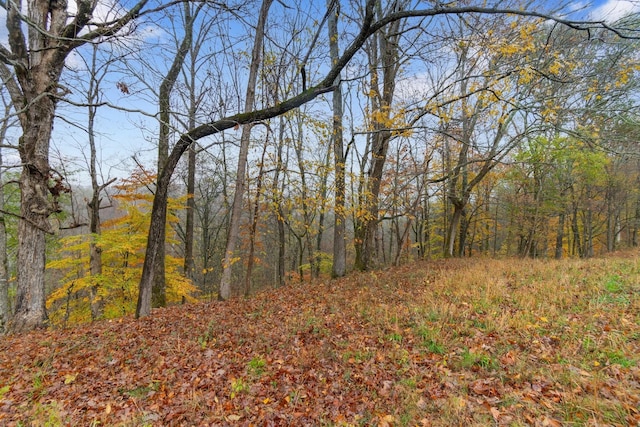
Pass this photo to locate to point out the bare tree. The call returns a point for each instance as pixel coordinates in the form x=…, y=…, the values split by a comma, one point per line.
x=339, y=265
x=368, y=26
x=5, y=307
x=227, y=289
x=159, y=298
x=384, y=58
x=97, y=73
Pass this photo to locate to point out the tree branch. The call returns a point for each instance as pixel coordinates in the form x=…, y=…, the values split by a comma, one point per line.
x=49, y=232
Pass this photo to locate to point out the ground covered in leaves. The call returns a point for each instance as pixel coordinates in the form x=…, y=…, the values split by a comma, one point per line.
x=455, y=342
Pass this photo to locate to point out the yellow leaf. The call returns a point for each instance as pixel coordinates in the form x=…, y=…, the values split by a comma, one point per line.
x=265, y=401
x=69, y=378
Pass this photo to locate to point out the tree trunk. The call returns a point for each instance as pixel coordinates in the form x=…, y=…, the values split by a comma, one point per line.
x=304, y=196
x=635, y=238
x=159, y=291
x=95, y=252
x=5, y=309
x=321, y=218
x=30, y=312
x=339, y=265
x=454, y=225
x=560, y=236
x=254, y=223
x=577, y=245
x=35, y=208
x=277, y=200
x=387, y=43
x=189, y=261
x=227, y=288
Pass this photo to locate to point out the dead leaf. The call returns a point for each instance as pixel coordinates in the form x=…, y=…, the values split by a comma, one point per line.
x=550, y=422
x=386, y=421
x=495, y=413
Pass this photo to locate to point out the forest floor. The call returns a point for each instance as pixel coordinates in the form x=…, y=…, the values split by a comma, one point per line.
x=443, y=343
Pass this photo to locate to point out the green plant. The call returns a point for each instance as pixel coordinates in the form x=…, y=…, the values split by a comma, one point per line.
x=256, y=366
x=238, y=385
x=207, y=337
x=470, y=359
x=615, y=357
x=434, y=346
x=4, y=390
x=613, y=284
x=48, y=415
x=395, y=337
x=429, y=341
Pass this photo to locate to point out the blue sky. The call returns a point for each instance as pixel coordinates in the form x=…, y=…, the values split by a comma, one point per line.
x=120, y=138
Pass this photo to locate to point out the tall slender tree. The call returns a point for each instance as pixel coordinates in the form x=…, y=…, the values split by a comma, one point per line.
x=227, y=290
x=159, y=298
x=339, y=265
x=368, y=26
x=5, y=308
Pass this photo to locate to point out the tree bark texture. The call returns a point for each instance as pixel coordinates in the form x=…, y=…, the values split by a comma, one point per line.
x=339, y=265
x=37, y=58
x=5, y=308
x=382, y=54
x=227, y=287
x=159, y=291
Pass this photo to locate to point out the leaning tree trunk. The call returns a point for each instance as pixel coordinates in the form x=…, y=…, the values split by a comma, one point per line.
x=160, y=197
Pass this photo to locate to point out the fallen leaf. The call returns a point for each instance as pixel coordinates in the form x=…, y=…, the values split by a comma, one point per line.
x=495, y=413
x=550, y=422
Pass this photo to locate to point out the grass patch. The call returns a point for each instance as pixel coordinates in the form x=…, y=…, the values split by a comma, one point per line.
x=511, y=342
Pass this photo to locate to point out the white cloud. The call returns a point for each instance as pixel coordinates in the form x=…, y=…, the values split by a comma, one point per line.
x=613, y=10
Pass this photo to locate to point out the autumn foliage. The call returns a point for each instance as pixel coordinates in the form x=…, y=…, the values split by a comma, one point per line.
x=122, y=244
x=452, y=342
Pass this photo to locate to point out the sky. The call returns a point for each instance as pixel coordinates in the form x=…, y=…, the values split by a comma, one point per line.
x=119, y=135
x=612, y=10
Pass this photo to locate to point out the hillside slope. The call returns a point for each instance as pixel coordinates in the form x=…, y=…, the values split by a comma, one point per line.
x=455, y=342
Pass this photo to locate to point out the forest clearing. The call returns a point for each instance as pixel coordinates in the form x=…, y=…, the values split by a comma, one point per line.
x=434, y=343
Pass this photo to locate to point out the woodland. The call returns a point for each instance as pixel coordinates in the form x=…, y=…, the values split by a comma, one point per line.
x=348, y=212
x=280, y=142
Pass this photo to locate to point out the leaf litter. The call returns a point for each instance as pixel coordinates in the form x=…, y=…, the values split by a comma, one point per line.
x=452, y=342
